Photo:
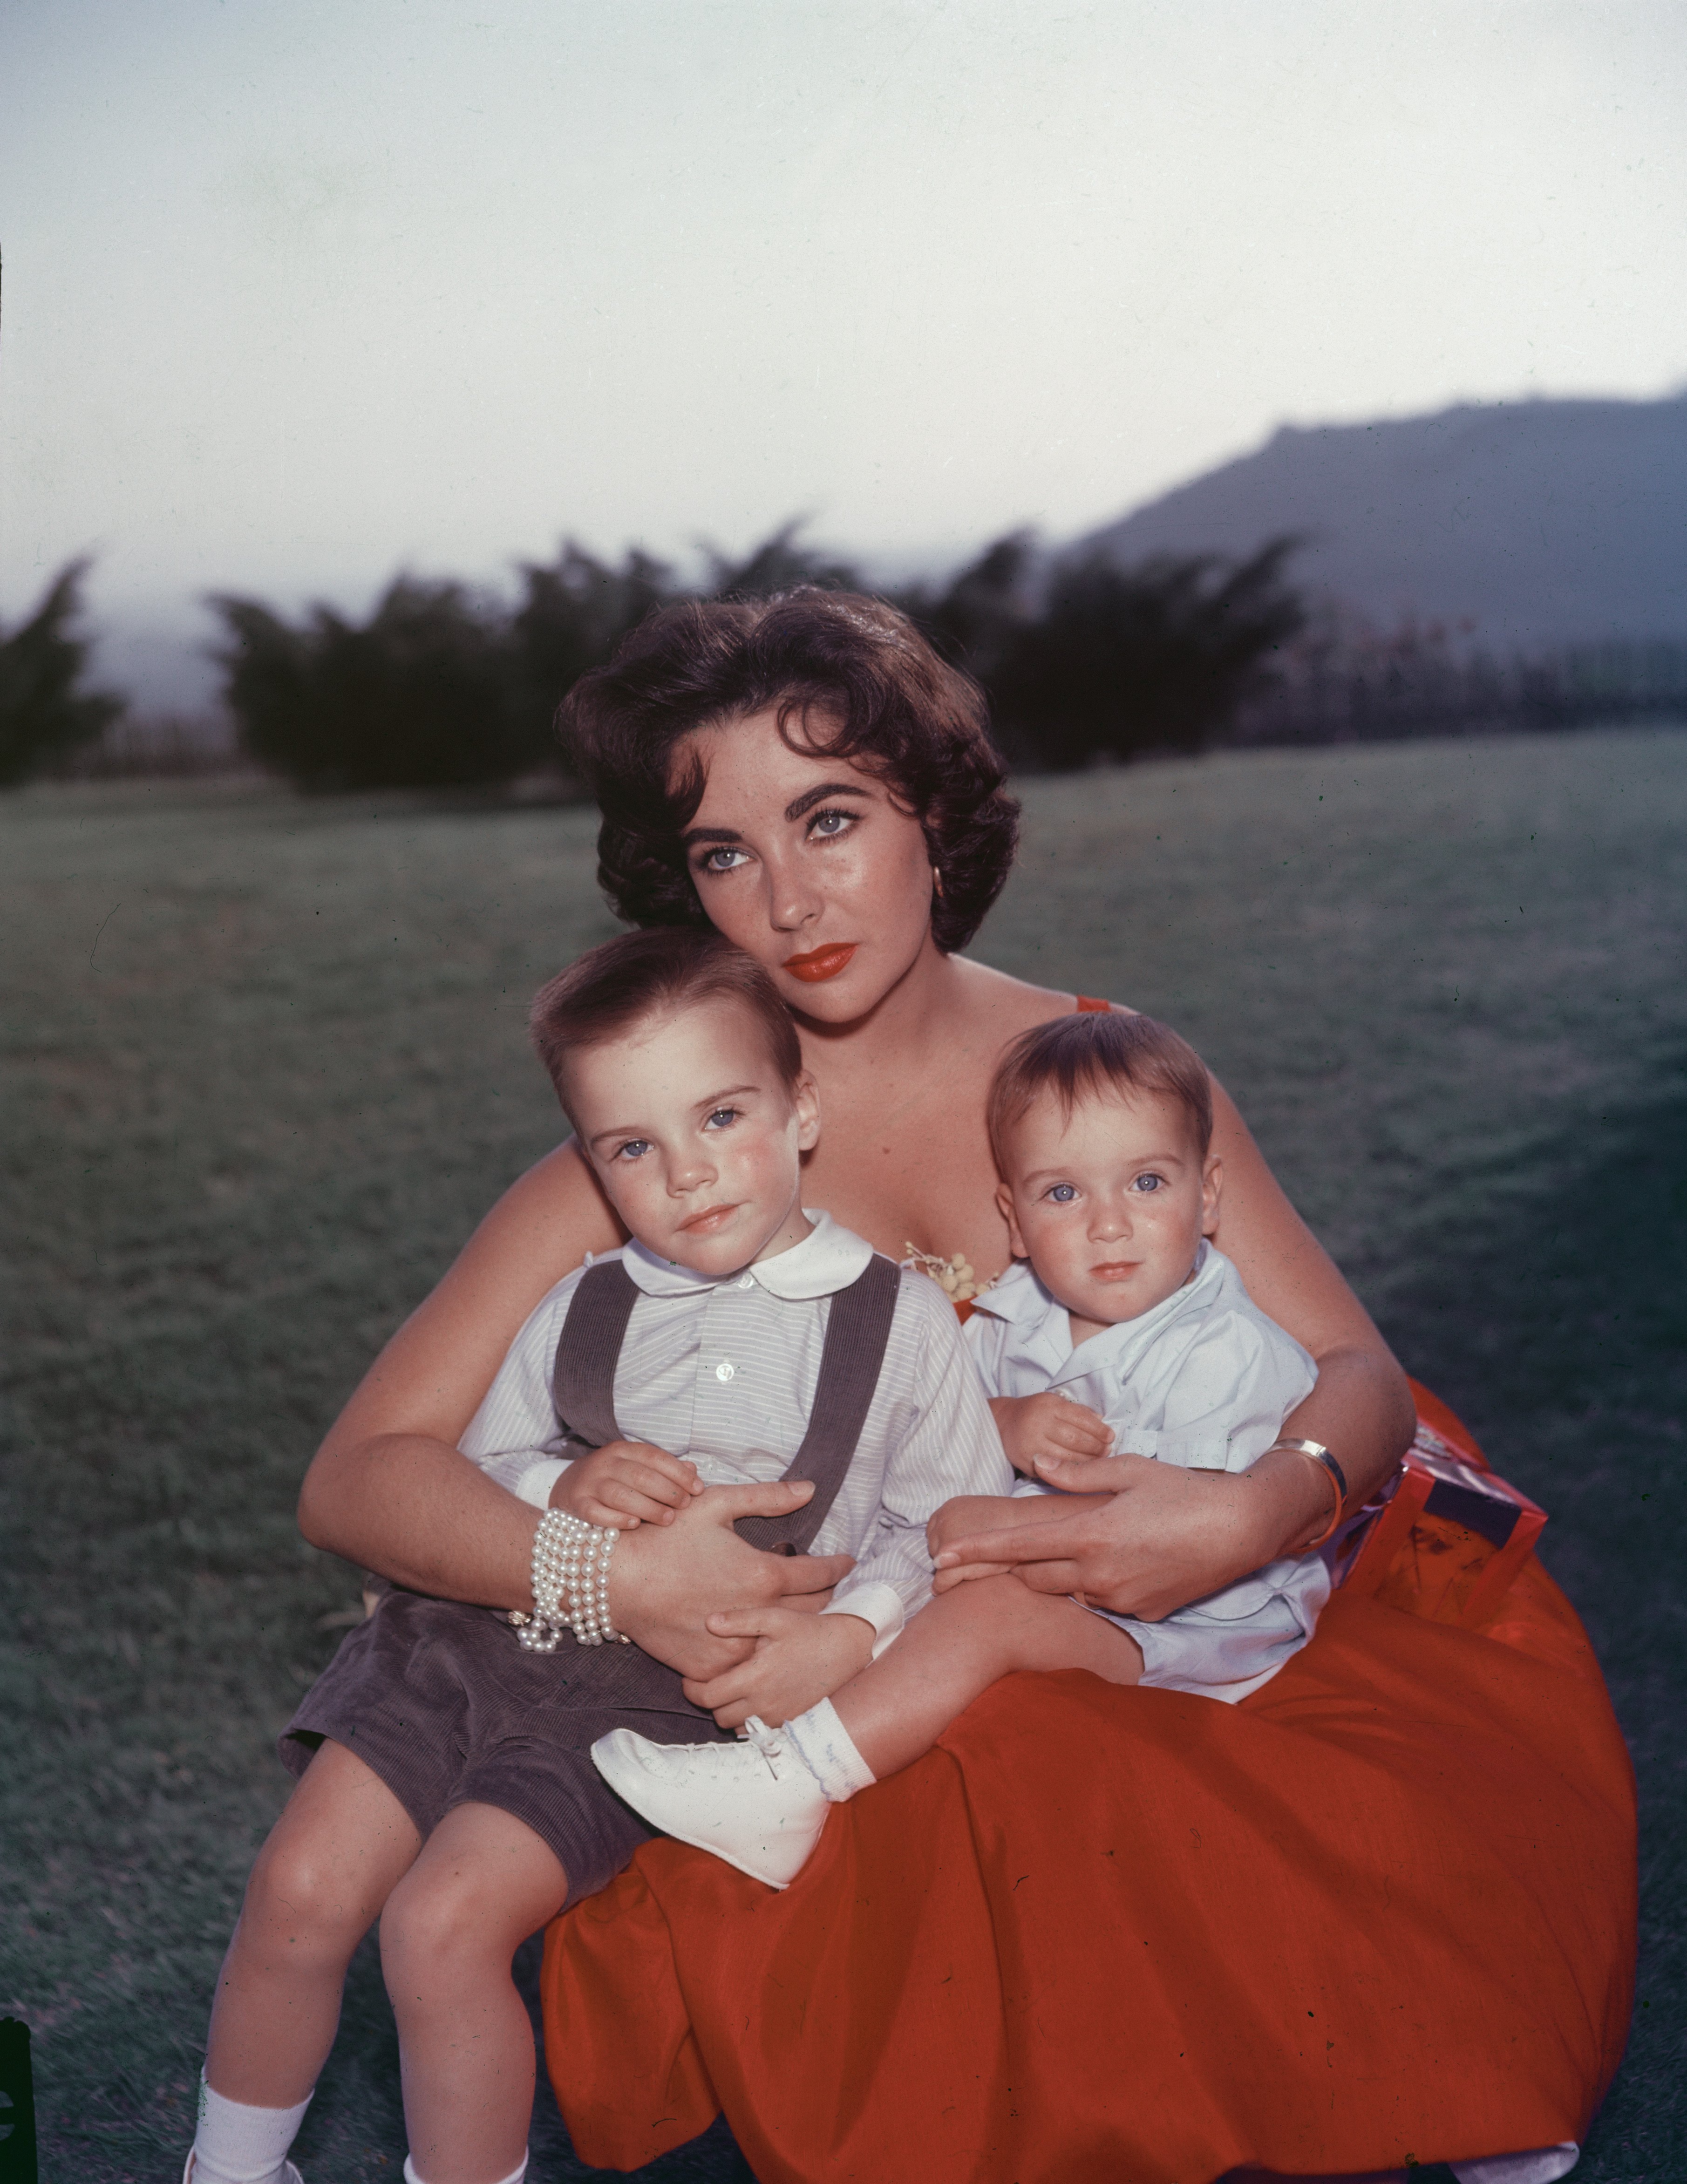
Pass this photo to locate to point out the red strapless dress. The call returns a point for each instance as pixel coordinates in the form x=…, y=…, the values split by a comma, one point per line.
x=1382, y=1911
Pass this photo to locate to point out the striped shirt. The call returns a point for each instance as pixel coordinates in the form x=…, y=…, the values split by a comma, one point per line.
x=724, y=1372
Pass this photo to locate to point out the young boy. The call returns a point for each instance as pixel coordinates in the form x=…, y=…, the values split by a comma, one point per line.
x=736, y=1338
x=1102, y=1126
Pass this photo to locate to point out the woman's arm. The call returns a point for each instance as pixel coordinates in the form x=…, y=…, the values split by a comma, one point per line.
x=1170, y=1536
x=1361, y=1408
x=389, y=1490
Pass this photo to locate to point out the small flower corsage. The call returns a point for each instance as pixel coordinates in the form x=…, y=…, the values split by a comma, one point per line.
x=954, y=1277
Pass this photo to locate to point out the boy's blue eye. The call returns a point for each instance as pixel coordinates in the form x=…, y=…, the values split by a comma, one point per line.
x=1063, y=1193
x=722, y=1118
x=1150, y=1183
x=632, y=1149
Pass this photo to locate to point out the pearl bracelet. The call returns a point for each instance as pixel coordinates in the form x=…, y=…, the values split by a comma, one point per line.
x=570, y=1584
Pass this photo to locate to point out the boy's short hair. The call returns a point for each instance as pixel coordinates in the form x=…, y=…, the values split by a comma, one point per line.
x=1080, y=1055
x=614, y=988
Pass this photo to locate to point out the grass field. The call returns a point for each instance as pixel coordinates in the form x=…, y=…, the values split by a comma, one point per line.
x=264, y=1065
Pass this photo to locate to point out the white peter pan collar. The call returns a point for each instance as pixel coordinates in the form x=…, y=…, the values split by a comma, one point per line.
x=824, y=1262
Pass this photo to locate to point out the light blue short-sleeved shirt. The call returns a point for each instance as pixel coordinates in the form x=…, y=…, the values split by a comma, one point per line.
x=1203, y=1380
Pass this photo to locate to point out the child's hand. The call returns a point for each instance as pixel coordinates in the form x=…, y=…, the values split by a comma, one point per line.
x=627, y=1483
x=945, y=1580
x=960, y=1519
x=1047, y=1428
x=799, y=1660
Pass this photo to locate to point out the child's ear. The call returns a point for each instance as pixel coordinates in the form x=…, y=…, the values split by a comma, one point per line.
x=1211, y=1183
x=806, y=1105
x=1015, y=1240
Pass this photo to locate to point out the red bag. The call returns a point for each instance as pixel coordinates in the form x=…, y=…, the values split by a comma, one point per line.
x=1448, y=1537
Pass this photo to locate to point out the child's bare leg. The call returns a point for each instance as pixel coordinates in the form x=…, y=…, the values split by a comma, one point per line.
x=484, y=1881
x=899, y=1704
x=342, y=1841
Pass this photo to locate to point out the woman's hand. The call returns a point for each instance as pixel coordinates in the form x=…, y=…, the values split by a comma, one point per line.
x=1163, y=1537
x=627, y=1483
x=1047, y=1428
x=798, y=1661
x=974, y=1516
x=665, y=1579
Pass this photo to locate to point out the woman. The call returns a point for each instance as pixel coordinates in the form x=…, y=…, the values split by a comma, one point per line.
x=1295, y=1933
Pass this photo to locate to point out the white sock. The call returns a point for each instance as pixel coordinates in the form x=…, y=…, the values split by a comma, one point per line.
x=828, y=1751
x=235, y=2144
x=514, y=2177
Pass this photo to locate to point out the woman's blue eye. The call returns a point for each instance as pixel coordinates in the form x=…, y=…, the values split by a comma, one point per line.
x=723, y=859
x=830, y=824
x=1063, y=1193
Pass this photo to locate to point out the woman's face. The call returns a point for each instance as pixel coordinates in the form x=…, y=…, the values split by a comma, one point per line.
x=808, y=864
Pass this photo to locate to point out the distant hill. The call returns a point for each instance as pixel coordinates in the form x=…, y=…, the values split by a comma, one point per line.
x=1546, y=523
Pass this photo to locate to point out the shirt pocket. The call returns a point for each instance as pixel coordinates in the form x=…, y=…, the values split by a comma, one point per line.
x=1189, y=1452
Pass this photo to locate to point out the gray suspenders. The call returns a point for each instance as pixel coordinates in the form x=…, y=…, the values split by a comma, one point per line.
x=857, y=1328
x=582, y=1387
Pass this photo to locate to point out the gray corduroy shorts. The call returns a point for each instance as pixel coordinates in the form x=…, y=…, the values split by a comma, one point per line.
x=446, y=1706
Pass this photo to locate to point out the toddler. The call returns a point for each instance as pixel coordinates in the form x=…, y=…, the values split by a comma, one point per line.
x=445, y=1784
x=1123, y=1330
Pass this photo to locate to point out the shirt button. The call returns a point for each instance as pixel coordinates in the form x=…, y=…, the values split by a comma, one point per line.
x=746, y=1282
x=725, y=1369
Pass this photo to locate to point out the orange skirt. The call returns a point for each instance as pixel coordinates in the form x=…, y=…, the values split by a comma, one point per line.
x=1382, y=1911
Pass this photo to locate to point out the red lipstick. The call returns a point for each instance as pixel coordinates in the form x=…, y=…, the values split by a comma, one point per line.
x=822, y=963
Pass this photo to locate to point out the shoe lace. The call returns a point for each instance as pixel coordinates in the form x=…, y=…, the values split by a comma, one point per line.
x=771, y=1743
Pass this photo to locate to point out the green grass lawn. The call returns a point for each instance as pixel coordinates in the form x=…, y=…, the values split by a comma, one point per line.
x=265, y=1064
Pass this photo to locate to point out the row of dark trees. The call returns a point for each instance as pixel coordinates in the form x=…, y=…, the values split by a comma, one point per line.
x=443, y=687
x=46, y=712
x=439, y=687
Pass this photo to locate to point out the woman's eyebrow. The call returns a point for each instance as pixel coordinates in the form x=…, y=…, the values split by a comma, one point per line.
x=811, y=797
x=695, y=835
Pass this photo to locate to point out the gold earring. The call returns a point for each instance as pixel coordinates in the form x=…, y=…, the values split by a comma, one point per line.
x=937, y=882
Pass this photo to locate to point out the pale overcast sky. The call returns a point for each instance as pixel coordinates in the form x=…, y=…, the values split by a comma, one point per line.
x=297, y=293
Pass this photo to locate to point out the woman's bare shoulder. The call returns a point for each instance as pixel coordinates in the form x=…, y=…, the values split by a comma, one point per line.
x=1015, y=1004
x=995, y=994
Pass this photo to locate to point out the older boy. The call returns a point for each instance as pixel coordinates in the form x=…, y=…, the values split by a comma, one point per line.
x=446, y=1782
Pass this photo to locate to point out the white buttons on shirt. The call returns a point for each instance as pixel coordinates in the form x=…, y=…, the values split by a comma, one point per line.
x=725, y=1369
x=747, y=1281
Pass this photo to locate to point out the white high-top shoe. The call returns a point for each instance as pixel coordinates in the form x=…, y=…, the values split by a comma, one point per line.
x=754, y=1804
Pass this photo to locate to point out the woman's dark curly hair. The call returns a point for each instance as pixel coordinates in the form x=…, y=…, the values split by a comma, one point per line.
x=857, y=680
